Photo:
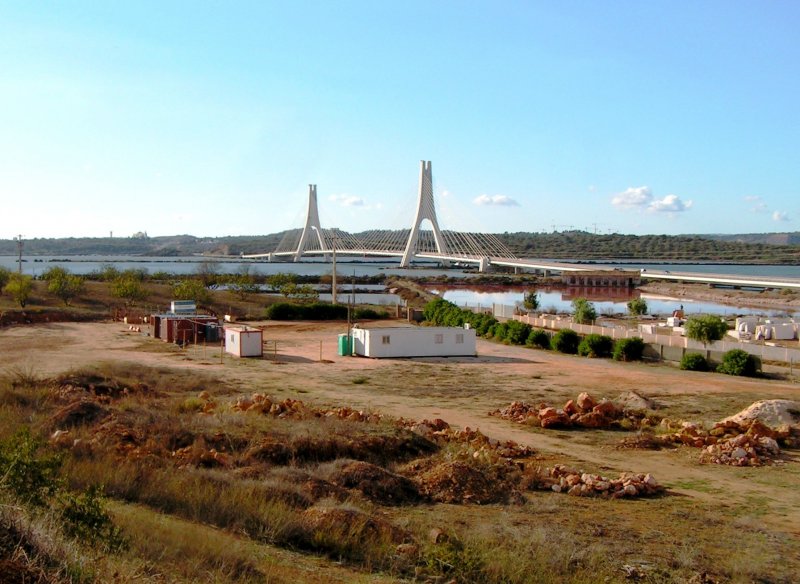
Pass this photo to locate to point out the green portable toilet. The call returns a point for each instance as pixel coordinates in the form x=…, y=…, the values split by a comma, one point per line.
x=344, y=345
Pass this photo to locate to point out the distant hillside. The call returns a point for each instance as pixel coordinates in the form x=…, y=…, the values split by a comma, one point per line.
x=167, y=246
x=580, y=245
x=572, y=245
x=768, y=238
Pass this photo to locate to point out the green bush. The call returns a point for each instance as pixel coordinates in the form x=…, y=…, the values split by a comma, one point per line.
x=705, y=328
x=517, y=332
x=369, y=314
x=30, y=477
x=637, y=307
x=315, y=311
x=628, y=349
x=538, y=338
x=694, y=362
x=85, y=519
x=566, y=341
x=499, y=331
x=441, y=312
x=584, y=311
x=738, y=362
x=596, y=346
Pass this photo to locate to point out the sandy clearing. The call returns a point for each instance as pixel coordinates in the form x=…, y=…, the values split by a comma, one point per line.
x=461, y=391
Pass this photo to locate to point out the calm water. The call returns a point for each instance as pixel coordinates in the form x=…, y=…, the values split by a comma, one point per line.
x=35, y=265
x=82, y=265
x=553, y=301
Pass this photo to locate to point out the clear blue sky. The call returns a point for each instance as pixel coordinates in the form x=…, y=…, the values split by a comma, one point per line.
x=211, y=118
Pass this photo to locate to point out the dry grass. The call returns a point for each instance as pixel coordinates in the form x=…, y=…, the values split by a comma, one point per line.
x=293, y=483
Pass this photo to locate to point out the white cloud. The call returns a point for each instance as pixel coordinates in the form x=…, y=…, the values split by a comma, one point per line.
x=498, y=200
x=780, y=216
x=633, y=197
x=758, y=204
x=642, y=198
x=669, y=204
x=347, y=200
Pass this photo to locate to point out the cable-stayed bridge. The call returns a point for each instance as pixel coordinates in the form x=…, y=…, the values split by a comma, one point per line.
x=481, y=249
x=414, y=243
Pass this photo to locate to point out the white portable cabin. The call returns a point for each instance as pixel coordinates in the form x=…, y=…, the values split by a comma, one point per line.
x=423, y=341
x=244, y=341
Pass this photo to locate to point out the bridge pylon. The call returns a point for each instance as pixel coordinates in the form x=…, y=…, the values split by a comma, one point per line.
x=312, y=223
x=425, y=210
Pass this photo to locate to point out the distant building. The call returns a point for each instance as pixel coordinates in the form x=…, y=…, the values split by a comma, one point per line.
x=602, y=279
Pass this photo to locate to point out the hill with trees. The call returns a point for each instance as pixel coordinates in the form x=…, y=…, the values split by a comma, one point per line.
x=565, y=245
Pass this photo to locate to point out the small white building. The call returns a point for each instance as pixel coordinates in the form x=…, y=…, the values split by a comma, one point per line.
x=244, y=341
x=422, y=341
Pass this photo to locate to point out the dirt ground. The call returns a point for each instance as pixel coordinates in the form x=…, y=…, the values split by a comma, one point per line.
x=462, y=391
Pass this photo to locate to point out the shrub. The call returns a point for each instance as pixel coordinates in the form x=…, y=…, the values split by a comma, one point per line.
x=694, y=362
x=596, y=346
x=517, y=332
x=31, y=478
x=85, y=519
x=316, y=311
x=62, y=284
x=440, y=312
x=739, y=362
x=369, y=314
x=4, y=276
x=19, y=286
x=191, y=289
x=499, y=331
x=538, y=338
x=628, y=349
x=637, y=307
x=585, y=312
x=705, y=328
x=566, y=341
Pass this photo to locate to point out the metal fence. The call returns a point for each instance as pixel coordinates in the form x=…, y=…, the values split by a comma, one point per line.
x=765, y=352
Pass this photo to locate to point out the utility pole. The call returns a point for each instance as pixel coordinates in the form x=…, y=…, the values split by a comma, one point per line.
x=333, y=277
x=20, y=245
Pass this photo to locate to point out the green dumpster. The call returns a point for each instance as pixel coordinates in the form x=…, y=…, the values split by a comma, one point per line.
x=345, y=343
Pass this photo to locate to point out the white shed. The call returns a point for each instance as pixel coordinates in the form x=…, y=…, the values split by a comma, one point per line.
x=422, y=341
x=244, y=341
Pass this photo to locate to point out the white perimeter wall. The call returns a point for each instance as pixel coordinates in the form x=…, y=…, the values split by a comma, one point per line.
x=414, y=342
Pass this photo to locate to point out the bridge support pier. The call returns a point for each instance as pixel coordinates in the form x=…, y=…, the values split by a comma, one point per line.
x=425, y=210
x=484, y=265
x=312, y=224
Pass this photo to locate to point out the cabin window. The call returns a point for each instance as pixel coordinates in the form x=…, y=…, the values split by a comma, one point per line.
x=386, y=339
x=460, y=339
x=439, y=339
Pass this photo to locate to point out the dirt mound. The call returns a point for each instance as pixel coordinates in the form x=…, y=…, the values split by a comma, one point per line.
x=98, y=386
x=459, y=482
x=78, y=413
x=353, y=524
x=771, y=412
x=376, y=483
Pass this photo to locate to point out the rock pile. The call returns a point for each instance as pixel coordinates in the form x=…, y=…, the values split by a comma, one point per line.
x=748, y=442
x=563, y=479
x=582, y=412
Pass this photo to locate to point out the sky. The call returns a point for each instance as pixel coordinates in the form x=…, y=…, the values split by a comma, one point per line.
x=212, y=118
